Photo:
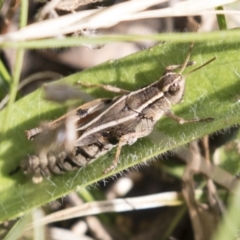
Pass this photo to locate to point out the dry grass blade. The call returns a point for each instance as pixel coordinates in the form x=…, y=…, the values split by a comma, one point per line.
x=217, y=174
x=200, y=213
x=102, y=18
x=116, y=205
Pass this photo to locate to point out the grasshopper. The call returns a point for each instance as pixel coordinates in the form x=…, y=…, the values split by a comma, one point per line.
x=123, y=121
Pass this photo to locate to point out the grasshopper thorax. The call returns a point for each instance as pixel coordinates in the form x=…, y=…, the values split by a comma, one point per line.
x=173, y=86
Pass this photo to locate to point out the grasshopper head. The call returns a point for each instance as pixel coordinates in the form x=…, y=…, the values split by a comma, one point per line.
x=173, y=86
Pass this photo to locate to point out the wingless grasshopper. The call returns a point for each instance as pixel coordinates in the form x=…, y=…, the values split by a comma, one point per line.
x=120, y=121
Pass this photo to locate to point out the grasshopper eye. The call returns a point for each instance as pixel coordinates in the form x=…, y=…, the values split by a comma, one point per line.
x=174, y=87
x=176, y=90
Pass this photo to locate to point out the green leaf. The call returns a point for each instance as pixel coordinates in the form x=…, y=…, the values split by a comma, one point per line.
x=229, y=226
x=224, y=35
x=212, y=91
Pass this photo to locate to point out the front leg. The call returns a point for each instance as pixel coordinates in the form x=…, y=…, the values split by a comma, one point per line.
x=180, y=120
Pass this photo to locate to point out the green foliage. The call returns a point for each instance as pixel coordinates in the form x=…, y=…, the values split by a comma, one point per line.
x=212, y=91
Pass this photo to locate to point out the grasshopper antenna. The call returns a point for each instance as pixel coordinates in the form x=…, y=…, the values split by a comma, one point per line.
x=204, y=64
x=187, y=63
